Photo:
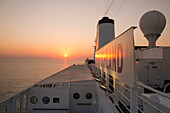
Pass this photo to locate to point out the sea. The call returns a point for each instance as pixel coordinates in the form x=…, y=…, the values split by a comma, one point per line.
x=17, y=74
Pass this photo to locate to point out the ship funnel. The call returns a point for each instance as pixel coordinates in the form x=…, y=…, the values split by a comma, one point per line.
x=105, y=32
x=152, y=24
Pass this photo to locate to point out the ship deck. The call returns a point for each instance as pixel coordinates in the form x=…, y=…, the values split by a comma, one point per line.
x=70, y=74
x=74, y=89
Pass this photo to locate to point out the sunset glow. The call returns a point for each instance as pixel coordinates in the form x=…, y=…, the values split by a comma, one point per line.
x=60, y=29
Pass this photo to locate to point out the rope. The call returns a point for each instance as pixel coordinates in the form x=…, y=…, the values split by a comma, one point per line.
x=108, y=8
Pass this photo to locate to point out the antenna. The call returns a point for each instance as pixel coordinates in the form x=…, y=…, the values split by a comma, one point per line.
x=108, y=8
x=152, y=24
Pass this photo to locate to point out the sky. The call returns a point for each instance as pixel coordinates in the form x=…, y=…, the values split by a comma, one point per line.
x=53, y=28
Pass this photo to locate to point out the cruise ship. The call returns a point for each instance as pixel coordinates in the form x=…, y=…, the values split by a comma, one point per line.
x=122, y=77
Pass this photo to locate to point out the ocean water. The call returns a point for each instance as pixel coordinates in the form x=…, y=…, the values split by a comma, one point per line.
x=17, y=74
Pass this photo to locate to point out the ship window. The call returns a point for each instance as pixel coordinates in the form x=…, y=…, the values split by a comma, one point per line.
x=88, y=95
x=56, y=100
x=33, y=99
x=76, y=95
x=45, y=100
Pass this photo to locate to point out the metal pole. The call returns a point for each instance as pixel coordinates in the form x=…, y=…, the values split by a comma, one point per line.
x=21, y=103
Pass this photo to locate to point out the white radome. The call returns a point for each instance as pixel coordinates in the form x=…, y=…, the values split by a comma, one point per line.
x=152, y=22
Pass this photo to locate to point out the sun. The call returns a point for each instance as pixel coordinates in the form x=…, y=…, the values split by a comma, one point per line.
x=65, y=55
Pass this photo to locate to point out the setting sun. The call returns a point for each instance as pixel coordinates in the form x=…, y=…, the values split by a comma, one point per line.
x=65, y=55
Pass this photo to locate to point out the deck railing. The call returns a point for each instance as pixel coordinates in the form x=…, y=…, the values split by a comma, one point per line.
x=15, y=103
x=128, y=99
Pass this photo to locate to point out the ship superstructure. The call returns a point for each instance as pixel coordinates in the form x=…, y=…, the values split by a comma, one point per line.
x=124, y=79
x=140, y=75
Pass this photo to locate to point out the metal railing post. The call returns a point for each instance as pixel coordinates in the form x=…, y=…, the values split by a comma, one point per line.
x=21, y=103
x=133, y=99
x=9, y=106
x=14, y=105
x=116, y=93
x=27, y=102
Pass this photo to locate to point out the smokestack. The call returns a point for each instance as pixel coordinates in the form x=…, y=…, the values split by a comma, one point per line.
x=105, y=32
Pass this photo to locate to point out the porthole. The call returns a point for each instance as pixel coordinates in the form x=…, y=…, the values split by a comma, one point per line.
x=76, y=95
x=45, y=100
x=88, y=95
x=33, y=99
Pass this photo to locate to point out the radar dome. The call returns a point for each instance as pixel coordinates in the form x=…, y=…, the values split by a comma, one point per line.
x=152, y=24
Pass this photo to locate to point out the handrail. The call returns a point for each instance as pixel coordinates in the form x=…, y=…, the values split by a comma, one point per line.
x=122, y=85
x=166, y=86
x=123, y=104
x=124, y=96
x=150, y=103
x=14, y=95
x=151, y=89
x=133, y=104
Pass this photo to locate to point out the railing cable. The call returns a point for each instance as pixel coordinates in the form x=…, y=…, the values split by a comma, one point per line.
x=108, y=8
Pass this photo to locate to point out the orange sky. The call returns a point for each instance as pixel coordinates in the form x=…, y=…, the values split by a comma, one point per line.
x=52, y=28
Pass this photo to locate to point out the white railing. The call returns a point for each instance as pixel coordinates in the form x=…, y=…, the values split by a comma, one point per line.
x=15, y=103
x=128, y=99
